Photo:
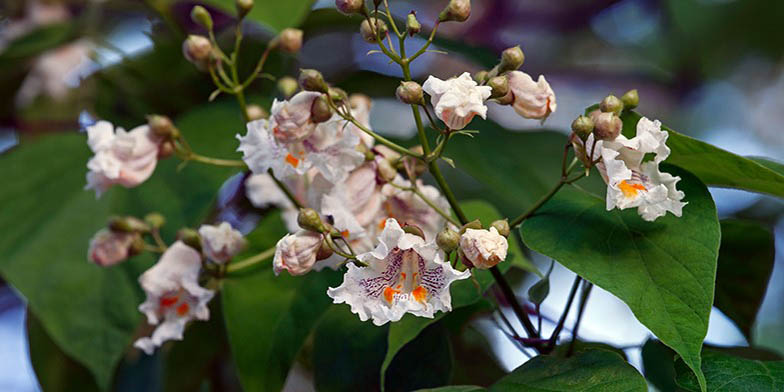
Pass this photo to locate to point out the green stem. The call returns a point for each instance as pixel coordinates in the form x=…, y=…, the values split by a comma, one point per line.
x=517, y=221
x=251, y=261
x=215, y=161
x=286, y=191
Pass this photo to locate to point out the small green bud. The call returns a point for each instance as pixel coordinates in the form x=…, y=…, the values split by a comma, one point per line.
x=197, y=49
x=611, y=103
x=165, y=149
x=448, y=240
x=290, y=40
x=155, y=220
x=456, y=11
x=502, y=225
x=320, y=110
x=409, y=92
x=137, y=245
x=630, y=100
x=287, y=86
x=511, y=59
x=190, y=237
x=309, y=219
x=607, y=126
x=474, y=224
x=243, y=7
x=201, y=16
x=162, y=126
x=367, y=29
x=413, y=27
x=312, y=80
x=349, y=7
x=256, y=112
x=415, y=230
x=500, y=86
x=362, y=148
x=386, y=171
x=480, y=76
x=337, y=94
x=582, y=126
x=128, y=224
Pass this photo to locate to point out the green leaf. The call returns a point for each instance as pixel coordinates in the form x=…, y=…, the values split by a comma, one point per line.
x=663, y=270
x=426, y=362
x=746, y=259
x=454, y=388
x=728, y=373
x=715, y=166
x=276, y=15
x=594, y=370
x=658, y=362
x=464, y=292
x=269, y=317
x=38, y=41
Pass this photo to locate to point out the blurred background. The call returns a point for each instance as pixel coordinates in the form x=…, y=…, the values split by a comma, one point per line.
x=711, y=69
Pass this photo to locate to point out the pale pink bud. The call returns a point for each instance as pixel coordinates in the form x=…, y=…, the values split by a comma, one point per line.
x=484, y=248
x=109, y=247
x=531, y=99
x=296, y=253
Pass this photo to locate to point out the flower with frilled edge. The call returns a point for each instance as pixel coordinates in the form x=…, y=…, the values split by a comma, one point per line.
x=483, y=248
x=174, y=296
x=220, y=243
x=290, y=120
x=404, y=274
x=297, y=253
x=108, y=247
x=408, y=208
x=457, y=100
x=531, y=99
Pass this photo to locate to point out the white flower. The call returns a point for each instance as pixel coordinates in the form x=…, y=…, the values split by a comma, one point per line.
x=408, y=208
x=355, y=203
x=308, y=189
x=634, y=183
x=457, y=100
x=220, y=243
x=296, y=253
x=531, y=99
x=108, y=247
x=124, y=158
x=360, y=110
x=483, y=248
x=174, y=296
x=290, y=120
x=52, y=71
x=404, y=274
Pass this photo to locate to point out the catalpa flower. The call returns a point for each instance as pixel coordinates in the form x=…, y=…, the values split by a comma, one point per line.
x=457, y=100
x=108, y=247
x=531, y=99
x=174, y=296
x=634, y=183
x=124, y=158
x=297, y=253
x=290, y=120
x=220, y=243
x=360, y=110
x=263, y=192
x=483, y=248
x=354, y=205
x=403, y=274
x=408, y=208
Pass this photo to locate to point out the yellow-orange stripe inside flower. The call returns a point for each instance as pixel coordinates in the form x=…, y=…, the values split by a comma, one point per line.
x=630, y=190
x=291, y=160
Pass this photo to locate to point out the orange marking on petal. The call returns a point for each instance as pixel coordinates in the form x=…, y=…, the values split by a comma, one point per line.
x=389, y=294
x=183, y=309
x=291, y=160
x=382, y=224
x=168, y=301
x=345, y=233
x=630, y=190
x=403, y=274
x=419, y=293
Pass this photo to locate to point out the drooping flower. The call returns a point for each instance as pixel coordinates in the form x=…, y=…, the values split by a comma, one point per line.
x=483, y=248
x=404, y=274
x=108, y=247
x=355, y=203
x=124, y=158
x=297, y=253
x=220, y=243
x=457, y=100
x=531, y=99
x=174, y=296
x=634, y=183
x=308, y=189
x=290, y=120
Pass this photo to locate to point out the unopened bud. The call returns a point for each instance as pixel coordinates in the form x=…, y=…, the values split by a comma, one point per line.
x=607, y=126
x=415, y=230
x=480, y=76
x=474, y=224
x=409, y=92
x=582, y=126
x=290, y=40
x=337, y=94
x=611, y=104
x=137, y=245
x=256, y=112
x=196, y=49
x=200, y=15
x=448, y=240
x=511, y=59
x=386, y=171
x=165, y=149
x=365, y=150
x=128, y=224
x=320, y=110
x=507, y=99
x=630, y=100
x=162, y=126
x=368, y=29
x=190, y=237
x=324, y=251
x=155, y=220
x=243, y=7
x=309, y=219
x=287, y=86
x=312, y=80
x=456, y=11
x=500, y=86
x=349, y=7
x=413, y=27
x=502, y=225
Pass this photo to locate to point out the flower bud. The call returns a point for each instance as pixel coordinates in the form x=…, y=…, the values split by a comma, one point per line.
x=475, y=224
x=480, y=76
x=409, y=92
x=611, y=103
x=386, y=171
x=162, y=126
x=582, y=126
x=389, y=154
x=607, y=126
x=297, y=253
x=165, y=149
x=190, y=237
x=483, y=248
x=243, y=7
x=320, y=110
x=456, y=11
x=349, y=7
x=290, y=40
x=500, y=86
x=200, y=15
x=155, y=220
x=108, y=247
x=128, y=224
x=309, y=219
x=630, y=100
x=413, y=26
x=256, y=112
x=312, y=80
x=337, y=94
x=511, y=59
x=368, y=29
x=415, y=230
x=448, y=240
x=287, y=86
x=507, y=99
x=324, y=251
x=502, y=226
x=196, y=49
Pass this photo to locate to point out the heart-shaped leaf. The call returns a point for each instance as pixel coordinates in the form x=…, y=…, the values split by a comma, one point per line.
x=727, y=373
